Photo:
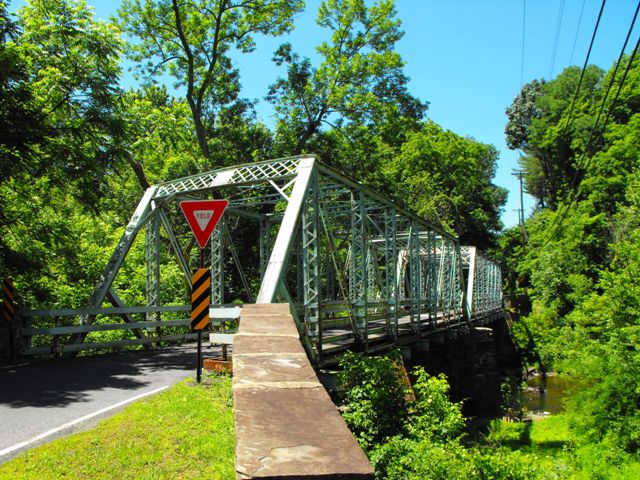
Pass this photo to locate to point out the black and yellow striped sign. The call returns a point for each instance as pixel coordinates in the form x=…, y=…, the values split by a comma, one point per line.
x=8, y=305
x=200, y=298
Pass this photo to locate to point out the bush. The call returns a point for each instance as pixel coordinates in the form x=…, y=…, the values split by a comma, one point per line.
x=374, y=397
x=434, y=415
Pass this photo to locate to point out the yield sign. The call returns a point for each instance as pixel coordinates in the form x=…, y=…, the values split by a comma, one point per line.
x=203, y=216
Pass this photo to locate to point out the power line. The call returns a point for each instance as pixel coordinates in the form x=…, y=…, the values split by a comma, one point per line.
x=584, y=67
x=524, y=21
x=575, y=95
x=575, y=39
x=556, y=39
x=576, y=179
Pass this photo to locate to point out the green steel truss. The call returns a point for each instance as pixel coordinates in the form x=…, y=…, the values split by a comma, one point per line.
x=360, y=271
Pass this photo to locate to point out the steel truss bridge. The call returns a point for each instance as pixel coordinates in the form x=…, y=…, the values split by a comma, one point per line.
x=359, y=271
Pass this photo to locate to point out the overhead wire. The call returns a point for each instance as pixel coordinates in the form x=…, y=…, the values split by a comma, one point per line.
x=556, y=40
x=584, y=67
x=581, y=169
x=575, y=39
x=524, y=21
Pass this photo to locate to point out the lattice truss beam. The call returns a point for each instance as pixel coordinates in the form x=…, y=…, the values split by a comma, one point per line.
x=360, y=271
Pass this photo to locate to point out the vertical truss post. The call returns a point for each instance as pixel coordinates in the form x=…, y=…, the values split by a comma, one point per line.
x=454, y=283
x=443, y=272
x=265, y=242
x=471, y=276
x=432, y=288
x=401, y=274
x=331, y=276
x=311, y=266
x=485, y=285
x=479, y=287
x=391, y=267
x=359, y=273
x=461, y=298
x=281, y=252
x=152, y=263
x=415, y=275
x=442, y=276
x=299, y=292
x=217, y=264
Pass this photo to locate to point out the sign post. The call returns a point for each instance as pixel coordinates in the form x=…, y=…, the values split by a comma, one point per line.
x=202, y=216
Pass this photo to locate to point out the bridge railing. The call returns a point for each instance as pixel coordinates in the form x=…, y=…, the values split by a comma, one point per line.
x=59, y=331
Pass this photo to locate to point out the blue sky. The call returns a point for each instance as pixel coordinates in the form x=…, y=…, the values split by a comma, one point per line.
x=465, y=58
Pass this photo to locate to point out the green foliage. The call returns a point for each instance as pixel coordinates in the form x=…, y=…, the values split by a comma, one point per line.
x=583, y=259
x=513, y=403
x=192, y=42
x=434, y=416
x=448, y=179
x=374, y=397
x=552, y=140
x=419, y=439
x=359, y=82
x=402, y=458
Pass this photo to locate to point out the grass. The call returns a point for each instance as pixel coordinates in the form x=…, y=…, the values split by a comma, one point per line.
x=560, y=454
x=183, y=432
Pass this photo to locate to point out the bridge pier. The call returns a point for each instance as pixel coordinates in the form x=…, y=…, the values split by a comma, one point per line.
x=476, y=360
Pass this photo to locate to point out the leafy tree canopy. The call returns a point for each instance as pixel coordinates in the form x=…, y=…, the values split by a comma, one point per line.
x=448, y=179
x=360, y=80
x=193, y=41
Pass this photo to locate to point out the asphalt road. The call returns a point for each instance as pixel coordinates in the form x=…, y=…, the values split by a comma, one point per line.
x=44, y=400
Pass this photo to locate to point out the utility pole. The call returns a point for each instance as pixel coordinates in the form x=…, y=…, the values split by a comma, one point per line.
x=520, y=174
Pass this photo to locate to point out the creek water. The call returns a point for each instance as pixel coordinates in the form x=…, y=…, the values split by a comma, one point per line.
x=547, y=395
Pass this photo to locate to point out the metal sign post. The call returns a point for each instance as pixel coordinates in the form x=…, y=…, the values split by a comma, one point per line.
x=202, y=216
x=200, y=300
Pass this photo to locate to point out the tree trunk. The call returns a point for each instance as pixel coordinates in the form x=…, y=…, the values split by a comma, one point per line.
x=200, y=131
x=302, y=142
x=139, y=171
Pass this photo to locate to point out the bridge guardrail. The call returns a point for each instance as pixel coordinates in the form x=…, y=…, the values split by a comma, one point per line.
x=51, y=331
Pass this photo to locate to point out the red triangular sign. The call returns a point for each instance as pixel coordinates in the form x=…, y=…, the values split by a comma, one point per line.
x=203, y=216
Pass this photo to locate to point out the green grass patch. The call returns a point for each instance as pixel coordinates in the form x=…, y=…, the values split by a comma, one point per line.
x=551, y=445
x=183, y=432
x=550, y=433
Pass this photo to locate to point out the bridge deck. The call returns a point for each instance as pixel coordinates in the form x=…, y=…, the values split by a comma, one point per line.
x=339, y=338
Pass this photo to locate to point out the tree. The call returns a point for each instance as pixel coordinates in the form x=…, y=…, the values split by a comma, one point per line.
x=59, y=141
x=193, y=41
x=159, y=136
x=21, y=122
x=583, y=257
x=359, y=82
x=552, y=130
x=60, y=95
x=447, y=179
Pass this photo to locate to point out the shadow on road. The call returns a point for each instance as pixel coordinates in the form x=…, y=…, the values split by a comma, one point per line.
x=63, y=381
